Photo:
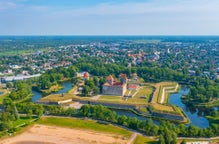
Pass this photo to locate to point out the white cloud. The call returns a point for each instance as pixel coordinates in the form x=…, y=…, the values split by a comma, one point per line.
x=151, y=17
x=156, y=6
x=4, y=5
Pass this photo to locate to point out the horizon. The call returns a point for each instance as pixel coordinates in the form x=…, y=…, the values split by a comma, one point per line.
x=109, y=35
x=104, y=17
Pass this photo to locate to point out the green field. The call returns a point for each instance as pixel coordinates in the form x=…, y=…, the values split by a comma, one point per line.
x=84, y=124
x=22, y=120
x=56, y=98
x=111, y=98
x=3, y=95
x=144, y=140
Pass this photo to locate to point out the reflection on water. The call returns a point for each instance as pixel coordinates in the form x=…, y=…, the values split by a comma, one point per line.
x=36, y=95
x=132, y=115
x=66, y=87
x=195, y=115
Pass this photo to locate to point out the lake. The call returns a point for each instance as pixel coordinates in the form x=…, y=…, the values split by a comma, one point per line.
x=66, y=87
x=195, y=116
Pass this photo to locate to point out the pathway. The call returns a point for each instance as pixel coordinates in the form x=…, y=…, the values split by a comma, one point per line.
x=96, y=97
x=164, y=90
x=131, y=140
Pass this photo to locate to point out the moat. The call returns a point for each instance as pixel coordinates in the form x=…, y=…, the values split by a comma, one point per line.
x=195, y=116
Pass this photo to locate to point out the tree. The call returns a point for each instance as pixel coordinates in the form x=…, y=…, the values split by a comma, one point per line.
x=161, y=140
x=29, y=113
x=39, y=110
x=183, y=142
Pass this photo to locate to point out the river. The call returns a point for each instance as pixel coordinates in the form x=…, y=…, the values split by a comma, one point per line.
x=66, y=87
x=195, y=116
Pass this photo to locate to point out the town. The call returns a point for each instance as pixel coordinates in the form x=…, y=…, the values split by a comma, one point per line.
x=141, y=83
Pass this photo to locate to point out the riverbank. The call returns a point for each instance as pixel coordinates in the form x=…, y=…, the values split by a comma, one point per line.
x=3, y=94
x=70, y=130
x=55, y=130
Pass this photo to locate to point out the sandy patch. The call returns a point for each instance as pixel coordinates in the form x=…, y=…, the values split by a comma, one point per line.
x=43, y=134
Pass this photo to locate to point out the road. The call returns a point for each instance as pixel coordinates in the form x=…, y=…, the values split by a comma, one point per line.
x=164, y=90
x=134, y=135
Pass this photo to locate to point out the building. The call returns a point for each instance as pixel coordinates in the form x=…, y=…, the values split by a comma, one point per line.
x=134, y=76
x=86, y=76
x=133, y=87
x=113, y=87
x=18, y=77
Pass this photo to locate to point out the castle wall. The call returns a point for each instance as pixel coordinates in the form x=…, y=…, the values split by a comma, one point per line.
x=114, y=90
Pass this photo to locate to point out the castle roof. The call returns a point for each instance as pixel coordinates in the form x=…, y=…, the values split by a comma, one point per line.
x=123, y=76
x=86, y=75
x=134, y=74
x=110, y=78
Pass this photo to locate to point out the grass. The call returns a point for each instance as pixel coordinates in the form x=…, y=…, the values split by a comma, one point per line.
x=144, y=91
x=144, y=140
x=20, y=52
x=127, y=92
x=213, y=119
x=54, y=88
x=158, y=92
x=213, y=103
x=111, y=98
x=22, y=120
x=84, y=124
x=56, y=98
x=161, y=107
x=3, y=95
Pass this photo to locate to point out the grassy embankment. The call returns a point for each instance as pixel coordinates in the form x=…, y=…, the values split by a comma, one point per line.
x=158, y=96
x=59, y=97
x=6, y=93
x=54, y=88
x=213, y=103
x=144, y=140
x=84, y=125
x=135, y=100
x=21, y=122
x=20, y=52
x=2, y=96
x=164, y=107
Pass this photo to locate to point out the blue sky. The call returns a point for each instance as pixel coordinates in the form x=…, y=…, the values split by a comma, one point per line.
x=104, y=17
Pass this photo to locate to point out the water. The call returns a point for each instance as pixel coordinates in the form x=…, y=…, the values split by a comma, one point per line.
x=132, y=115
x=36, y=95
x=1, y=93
x=66, y=87
x=196, y=116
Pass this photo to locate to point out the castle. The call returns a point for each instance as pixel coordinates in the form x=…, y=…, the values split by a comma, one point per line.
x=113, y=87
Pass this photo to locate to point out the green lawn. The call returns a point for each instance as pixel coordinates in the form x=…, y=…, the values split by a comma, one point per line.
x=110, y=98
x=213, y=120
x=84, y=124
x=142, y=91
x=144, y=140
x=21, y=120
x=3, y=95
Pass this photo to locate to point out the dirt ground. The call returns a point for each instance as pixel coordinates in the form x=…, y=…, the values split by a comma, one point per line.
x=44, y=134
